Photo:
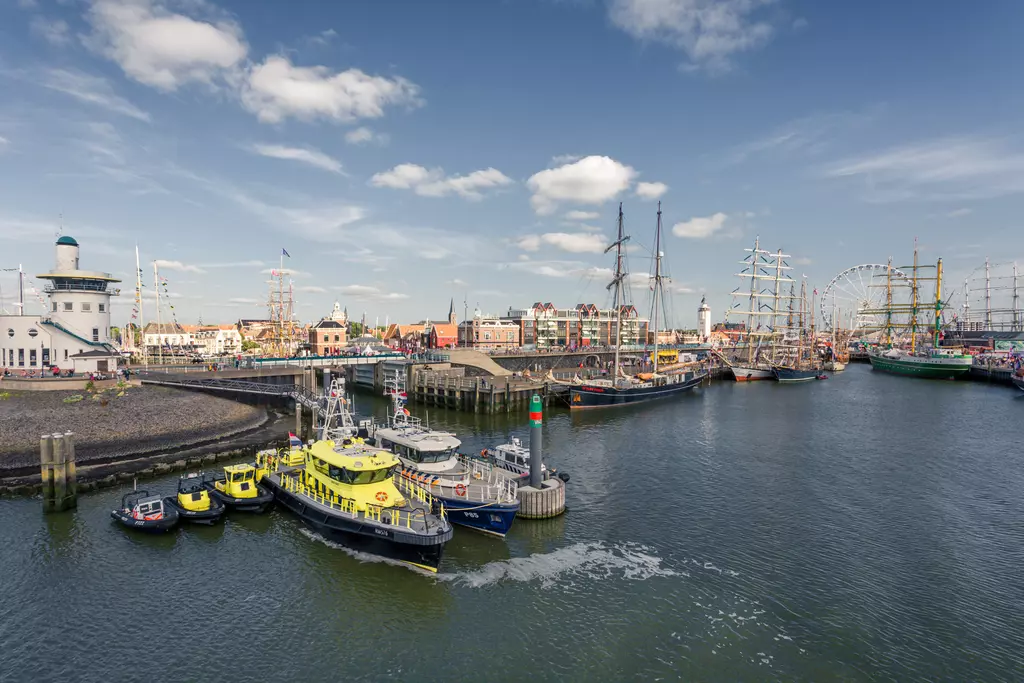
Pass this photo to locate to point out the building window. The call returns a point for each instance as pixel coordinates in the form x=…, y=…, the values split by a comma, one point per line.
x=487, y=336
x=65, y=354
x=21, y=358
x=86, y=307
x=32, y=357
x=103, y=308
x=10, y=332
x=337, y=338
x=33, y=332
x=54, y=306
x=68, y=307
x=95, y=334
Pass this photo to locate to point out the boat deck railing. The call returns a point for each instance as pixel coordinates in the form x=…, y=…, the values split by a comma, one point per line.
x=414, y=518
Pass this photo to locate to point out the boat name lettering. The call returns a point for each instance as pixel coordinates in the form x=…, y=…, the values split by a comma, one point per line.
x=382, y=532
x=471, y=515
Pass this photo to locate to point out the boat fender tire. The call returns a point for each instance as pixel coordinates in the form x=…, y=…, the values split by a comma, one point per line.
x=564, y=477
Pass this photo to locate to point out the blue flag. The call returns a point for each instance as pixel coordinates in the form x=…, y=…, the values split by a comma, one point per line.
x=284, y=252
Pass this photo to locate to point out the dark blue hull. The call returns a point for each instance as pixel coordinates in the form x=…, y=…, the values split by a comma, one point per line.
x=793, y=375
x=1018, y=381
x=493, y=519
x=595, y=396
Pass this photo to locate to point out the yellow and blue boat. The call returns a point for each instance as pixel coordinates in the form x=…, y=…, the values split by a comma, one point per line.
x=239, y=489
x=352, y=493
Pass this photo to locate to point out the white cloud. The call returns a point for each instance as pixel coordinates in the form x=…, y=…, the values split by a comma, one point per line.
x=91, y=90
x=650, y=190
x=947, y=169
x=457, y=283
x=364, y=135
x=806, y=136
x=28, y=4
x=3, y=141
x=276, y=89
x=161, y=48
x=958, y=213
x=311, y=289
x=576, y=243
x=562, y=269
x=369, y=293
x=582, y=216
x=244, y=301
x=313, y=157
x=178, y=266
x=802, y=261
x=561, y=159
x=434, y=183
x=710, y=32
x=53, y=31
x=233, y=264
x=700, y=228
x=591, y=180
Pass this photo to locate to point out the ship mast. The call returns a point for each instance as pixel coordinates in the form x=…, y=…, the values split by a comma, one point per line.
x=913, y=305
x=142, y=321
x=888, y=304
x=657, y=285
x=988, y=296
x=159, y=330
x=803, y=306
x=1016, y=301
x=938, y=303
x=620, y=274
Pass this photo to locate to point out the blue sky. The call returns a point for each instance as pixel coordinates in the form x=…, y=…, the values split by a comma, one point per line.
x=407, y=152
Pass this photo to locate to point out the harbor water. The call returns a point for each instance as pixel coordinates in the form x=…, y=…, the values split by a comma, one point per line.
x=864, y=528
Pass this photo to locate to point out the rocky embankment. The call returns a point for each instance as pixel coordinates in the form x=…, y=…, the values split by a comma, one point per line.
x=111, y=428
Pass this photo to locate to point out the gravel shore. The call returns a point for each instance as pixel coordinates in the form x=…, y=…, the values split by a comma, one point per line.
x=144, y=420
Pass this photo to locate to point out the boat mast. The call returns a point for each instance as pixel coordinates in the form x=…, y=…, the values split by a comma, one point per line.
x=988, y=297
x=657, y=284
x=888, y=304
x=775, y=295
x=938, y=304
x=753, y=297
x=138, y=298
x=803, y=306
x=1016, y=301
x=159, y=330
x=617, y=284
x=913, y=305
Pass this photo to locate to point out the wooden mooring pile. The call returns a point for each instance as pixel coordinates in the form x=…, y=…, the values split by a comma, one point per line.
x=57, y=469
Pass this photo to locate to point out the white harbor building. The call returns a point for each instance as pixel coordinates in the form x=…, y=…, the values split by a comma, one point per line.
x=74, y=333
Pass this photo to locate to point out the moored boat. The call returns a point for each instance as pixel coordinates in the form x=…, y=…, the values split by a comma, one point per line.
x=752, y=373
x=239, y=490
x=932, y=364
x=143, y=512
x=788, y=374
x=193, y=502
x=1018, y=380
x=472, y=492
x=622, y=390
x=352, y=493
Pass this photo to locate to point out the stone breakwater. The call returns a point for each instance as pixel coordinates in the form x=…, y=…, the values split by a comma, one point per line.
x=145, y=421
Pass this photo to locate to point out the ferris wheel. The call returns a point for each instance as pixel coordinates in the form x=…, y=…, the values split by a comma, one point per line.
x=856, y=296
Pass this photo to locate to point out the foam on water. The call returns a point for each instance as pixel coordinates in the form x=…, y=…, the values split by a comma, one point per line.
x=361, y=556
x=592, y=560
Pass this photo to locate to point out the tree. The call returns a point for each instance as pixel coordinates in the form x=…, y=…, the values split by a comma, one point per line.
x=249, y=345
x=356, y=329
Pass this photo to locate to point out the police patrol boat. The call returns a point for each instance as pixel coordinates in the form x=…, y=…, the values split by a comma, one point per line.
x=474, y=494
x=352, y=492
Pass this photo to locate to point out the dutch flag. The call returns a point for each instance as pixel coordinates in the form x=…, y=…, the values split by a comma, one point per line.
x=294, y=441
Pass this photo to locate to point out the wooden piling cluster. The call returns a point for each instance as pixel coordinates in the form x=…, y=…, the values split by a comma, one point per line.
x=474, y=394
x=541, y=503
x=59, y=478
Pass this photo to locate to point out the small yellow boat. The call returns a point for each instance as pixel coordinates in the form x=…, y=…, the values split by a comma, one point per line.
x=194, y=503
x=239, y=489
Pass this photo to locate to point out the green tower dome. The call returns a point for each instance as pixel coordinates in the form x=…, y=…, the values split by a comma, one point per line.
x=67, y=239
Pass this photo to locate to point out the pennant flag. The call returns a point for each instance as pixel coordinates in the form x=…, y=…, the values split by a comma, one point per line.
x=285, y=253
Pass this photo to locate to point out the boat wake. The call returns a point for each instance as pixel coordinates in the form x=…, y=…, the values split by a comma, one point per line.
x=361, y=556
x=590, y=560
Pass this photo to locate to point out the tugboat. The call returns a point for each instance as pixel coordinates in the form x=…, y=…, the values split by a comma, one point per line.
x=472, y=492
x=352, y=493
x=238, y=489
x=193, y=502
x=144, y=512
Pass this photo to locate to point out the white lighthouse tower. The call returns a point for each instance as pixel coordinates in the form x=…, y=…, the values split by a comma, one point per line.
x=704, y=320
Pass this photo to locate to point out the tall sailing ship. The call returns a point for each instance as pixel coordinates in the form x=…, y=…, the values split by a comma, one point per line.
x=762, y=314
x=798, y=363
x=622, y=390
x=900, y=353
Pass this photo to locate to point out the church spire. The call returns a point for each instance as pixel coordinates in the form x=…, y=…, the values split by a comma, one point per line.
x=451, y=312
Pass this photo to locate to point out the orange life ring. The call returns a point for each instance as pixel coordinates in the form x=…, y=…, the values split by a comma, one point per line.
x=483, y=453
x=381, y=496
x=460, y=489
